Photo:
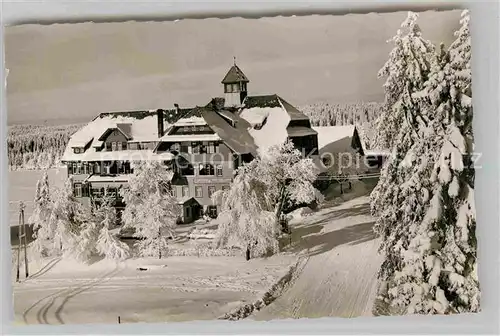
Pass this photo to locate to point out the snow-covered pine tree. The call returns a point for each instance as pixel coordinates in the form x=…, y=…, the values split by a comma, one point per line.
x=257, y=195
x=247, y=219
x=405, y=71
x=66, y=217
x=107, y=244
x=288, y=175
x=439, y=268
x=42, y=228
x=399, y=199
x=151, y=209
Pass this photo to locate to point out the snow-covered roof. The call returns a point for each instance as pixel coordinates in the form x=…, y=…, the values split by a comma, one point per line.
x=191, y=121
x=184, y=199
x=82, y=140
x=141, y=126
x=108, y=178
x=274, y=131
x=300, y=131
x=330, y=134
x=256, y=115
x=190, y=137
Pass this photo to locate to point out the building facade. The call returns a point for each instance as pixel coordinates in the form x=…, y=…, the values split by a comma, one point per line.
x=202, y=145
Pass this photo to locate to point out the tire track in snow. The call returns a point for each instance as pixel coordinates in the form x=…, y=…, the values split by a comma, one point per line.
x=65, y=294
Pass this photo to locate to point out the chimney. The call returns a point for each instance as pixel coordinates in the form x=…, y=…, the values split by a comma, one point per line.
x=159, y=115
x=177, y=109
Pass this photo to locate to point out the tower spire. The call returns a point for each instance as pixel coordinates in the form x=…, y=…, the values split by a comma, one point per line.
x=234, y=60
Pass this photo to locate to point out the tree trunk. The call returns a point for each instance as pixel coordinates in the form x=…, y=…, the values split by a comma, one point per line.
x=341, y=190
x=159, y=243
x=279, y=206
x=248, y=253
x=350, y=185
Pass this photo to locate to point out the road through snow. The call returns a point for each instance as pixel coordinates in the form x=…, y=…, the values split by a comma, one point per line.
x=339, y=278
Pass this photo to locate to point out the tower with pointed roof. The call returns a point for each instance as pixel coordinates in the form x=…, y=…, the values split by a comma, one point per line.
x=235, y=87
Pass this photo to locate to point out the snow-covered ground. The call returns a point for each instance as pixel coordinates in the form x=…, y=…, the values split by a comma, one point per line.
x=339, y=278
x=171, y=289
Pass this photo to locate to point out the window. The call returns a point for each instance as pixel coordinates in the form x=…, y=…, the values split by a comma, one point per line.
x=78, y=189
x=219, y=170
x=212, y=211
x=120, y=167
x=211, y=190
x=235, y=87
x=85, y=167
x=85, y=190
x=107, y=168
x=77, y=150
x=79, y=168
x=206, y=169
x=97, y=167
x=96, y=192
x=187, y=170
x=91, y=168
x=185, y=191
x=195, y=149
x=198, y=190
x=70, y=168
x=124, y=146
x=114, y=146
x=74, y=168
x=211, y=148
x=111, y=192
x=227, y=88
x=225, y=187
x=175, y=147
x=133, y=146
x=174, y=191
x=184, y=148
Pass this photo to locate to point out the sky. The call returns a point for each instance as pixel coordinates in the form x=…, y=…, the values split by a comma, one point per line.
x=69, y=73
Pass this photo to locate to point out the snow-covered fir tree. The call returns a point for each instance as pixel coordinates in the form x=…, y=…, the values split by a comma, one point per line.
x=288, y=176
x=42, y=228
x=405, y=72
x=247, y=219
x=411, y=58
x=107, y=244
x=429, y=240
x=257, y=195
x=439, y=269
x=151, y=209
x=66, y=218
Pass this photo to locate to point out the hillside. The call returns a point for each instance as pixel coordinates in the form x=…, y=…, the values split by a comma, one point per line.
x=37, y=146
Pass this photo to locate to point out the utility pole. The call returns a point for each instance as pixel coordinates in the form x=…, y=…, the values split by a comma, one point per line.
x=22, y=242
x=25, y=231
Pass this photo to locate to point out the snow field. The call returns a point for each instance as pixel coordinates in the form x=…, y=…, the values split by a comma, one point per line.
x=170, y=289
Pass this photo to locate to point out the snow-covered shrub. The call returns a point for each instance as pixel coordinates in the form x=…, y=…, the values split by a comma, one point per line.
x=202, y=233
